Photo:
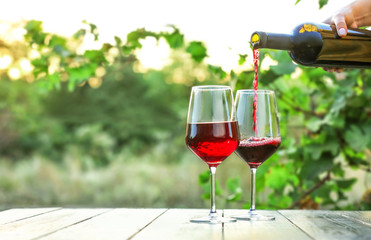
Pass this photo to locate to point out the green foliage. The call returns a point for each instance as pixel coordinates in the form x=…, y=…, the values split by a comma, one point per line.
x=197, y=51
x=218, y=71
x=232, y=185
x=324, y=118
x=321, y=3
x=333, y=118
x=330, y=111
x=242, y=59
x=234, y=189
x=174, y=39
x=204, y=181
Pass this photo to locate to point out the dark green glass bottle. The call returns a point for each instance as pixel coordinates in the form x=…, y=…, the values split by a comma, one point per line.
x=318, y=45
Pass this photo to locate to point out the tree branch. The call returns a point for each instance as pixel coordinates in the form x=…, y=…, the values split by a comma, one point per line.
x=290, y=103
x=309, y=191
x=299, y=109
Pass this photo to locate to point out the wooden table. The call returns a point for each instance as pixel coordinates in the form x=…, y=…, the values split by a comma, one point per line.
x=124, y=223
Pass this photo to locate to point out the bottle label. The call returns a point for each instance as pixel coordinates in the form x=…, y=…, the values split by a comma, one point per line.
x=308, y=28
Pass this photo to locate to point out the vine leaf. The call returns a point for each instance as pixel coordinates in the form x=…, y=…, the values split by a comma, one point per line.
x=197, y=51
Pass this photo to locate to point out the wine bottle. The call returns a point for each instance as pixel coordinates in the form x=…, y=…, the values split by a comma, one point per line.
x=319, y=45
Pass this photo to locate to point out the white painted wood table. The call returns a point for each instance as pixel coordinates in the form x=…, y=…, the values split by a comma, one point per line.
x=129, y=223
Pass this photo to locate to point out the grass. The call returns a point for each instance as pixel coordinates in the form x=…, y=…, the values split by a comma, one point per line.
x=130, y=181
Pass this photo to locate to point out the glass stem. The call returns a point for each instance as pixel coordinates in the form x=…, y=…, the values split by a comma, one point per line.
x=212, y=191
x=253, y=180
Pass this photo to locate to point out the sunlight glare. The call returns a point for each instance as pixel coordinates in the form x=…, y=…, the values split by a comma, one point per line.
x=100, y=72
x=154, y=54
x=95, y=82
x=14, y=73
x=33, y=54
x=267, y=62
x=5, y=61
x=25, y=65
x=54, y=63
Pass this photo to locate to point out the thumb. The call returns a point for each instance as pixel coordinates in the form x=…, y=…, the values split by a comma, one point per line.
x=341, y=26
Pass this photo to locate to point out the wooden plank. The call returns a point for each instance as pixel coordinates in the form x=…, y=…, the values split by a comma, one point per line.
x=17, y=214
x=116, y=224
x=280, y=228
x=327, y=224
x=174, y=224
x=360, y=216
x=31, y=228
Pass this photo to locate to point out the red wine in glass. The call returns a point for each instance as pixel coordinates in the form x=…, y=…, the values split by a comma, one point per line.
x=212, y=142
x=259, y=136
x=254, y=151
x=212, y=135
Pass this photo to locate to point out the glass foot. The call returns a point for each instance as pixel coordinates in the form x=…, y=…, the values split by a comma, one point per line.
x=213, y=219
x=253, y=216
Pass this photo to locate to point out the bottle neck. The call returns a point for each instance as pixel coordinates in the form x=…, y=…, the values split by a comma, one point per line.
x=271, y=40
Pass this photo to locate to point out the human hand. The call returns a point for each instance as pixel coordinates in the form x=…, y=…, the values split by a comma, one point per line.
x=356, y=14
x=342, y=19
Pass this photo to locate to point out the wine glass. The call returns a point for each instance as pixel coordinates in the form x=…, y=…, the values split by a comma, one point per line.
x=212, y=134
x=259, y=135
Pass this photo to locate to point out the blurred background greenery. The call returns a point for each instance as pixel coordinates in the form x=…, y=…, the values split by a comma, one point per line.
x=94, y=127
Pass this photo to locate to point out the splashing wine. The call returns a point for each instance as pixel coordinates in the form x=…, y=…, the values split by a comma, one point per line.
x=254, y=151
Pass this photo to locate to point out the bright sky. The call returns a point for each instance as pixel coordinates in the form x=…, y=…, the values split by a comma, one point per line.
x=225, y=26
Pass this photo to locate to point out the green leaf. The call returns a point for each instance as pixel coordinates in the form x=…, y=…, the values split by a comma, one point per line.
x=94, y=30
x=80, y=74
x=281, y=175
x=132, y=39
x=310, y=169
x=218, y=71
x=338, y=170
x=338, y=105
x=356, y=138
x=95, y=56
x=204, y=177
x=233, y=185
x=267, y=77
x=129, y=49
x=54, y=81
x=41, y=65
x=281, y=201
x=197, y=50
x=297, y=1
x=284, y=65
x=174, y=39
x=245, y=80
x=314, y=124
x=346, y=184
x=276, y=178
x=79, y=33
x=322, y=3
x=118, y=41
x=367, y=129
x=206, y=189
x=34, y=26
x=218, y=189
x=58, y=44
x=35, y=32
x=242, y=59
